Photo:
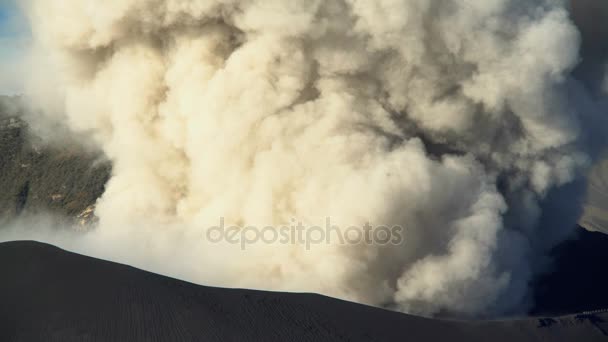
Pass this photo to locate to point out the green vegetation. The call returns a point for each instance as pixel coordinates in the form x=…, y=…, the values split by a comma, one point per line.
x=35, y=178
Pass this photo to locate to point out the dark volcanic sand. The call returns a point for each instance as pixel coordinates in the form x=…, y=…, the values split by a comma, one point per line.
x=48, y=294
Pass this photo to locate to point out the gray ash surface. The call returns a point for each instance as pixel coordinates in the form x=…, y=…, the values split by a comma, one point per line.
x=48, y=294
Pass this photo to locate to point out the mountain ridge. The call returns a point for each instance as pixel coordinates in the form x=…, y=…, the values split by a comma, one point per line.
x=54, y=295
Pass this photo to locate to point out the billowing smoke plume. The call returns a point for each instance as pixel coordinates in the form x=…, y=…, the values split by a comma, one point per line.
x=454, y=119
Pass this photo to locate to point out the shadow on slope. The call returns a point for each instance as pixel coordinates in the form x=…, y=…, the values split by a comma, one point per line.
x=49, y=294
x=578, y=281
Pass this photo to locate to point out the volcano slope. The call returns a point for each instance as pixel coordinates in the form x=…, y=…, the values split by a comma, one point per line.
x=48, y=294
x=38, y=177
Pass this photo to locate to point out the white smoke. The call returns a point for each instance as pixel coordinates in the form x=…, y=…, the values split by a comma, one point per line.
x=444, y=117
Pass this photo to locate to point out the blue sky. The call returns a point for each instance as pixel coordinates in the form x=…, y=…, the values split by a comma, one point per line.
x=14, y=36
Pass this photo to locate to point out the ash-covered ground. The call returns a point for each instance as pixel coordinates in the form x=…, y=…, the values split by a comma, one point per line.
x=52, y=295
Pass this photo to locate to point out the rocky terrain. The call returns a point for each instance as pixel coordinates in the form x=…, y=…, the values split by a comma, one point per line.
x=36, y=177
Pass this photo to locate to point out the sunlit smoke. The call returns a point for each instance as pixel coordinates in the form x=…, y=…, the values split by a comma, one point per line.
x=453, y=119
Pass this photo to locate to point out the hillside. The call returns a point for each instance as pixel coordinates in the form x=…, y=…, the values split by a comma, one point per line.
x=52, y=295
x=37, y=177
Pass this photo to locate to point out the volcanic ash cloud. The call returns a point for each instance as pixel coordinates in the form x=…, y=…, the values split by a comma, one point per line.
x=450, y=118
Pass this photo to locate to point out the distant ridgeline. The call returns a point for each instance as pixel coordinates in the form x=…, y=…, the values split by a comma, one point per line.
x=43, y=178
